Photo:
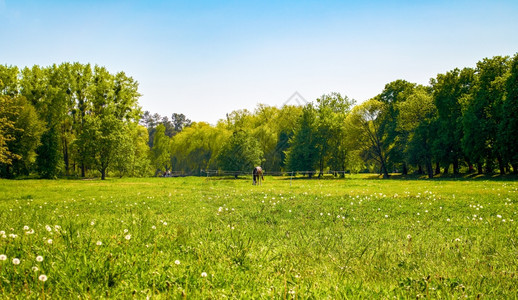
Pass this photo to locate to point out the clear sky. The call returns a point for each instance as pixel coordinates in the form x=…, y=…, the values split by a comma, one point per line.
x=208, y=58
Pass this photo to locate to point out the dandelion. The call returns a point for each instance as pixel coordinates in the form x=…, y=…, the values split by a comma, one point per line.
x=30, y=231
x=153, y=227
x=177, y=262
x=49, y=229
x=448, y=220
x=16, y=261
x=39, y=258
x=386, y=216
x=457, y=240
x=92, y=223
x=203, y=274
x=128, y=237
x=165, y=223
x=43, y=277
x=125, y=230
x=35, y=269
x=25, y=227
x=409, y=236
x=499, y=216
x=3, y=257
x=99, y=243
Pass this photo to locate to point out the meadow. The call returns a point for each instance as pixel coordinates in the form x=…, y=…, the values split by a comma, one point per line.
x=215, y=238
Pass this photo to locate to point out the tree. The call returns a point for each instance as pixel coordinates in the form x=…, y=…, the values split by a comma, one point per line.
x=417, y=116
x=365, y=123
x=331, y=134
x=303, y=152
x=8, y=112
x=241, y=153
x=160, y=157
x=483, y=113
x=508, y=127
x=448, y=91
x=25, y=132
x=106, y=142
x=394, y=92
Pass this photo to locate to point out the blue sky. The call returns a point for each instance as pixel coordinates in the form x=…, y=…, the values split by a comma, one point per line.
x=207, y=58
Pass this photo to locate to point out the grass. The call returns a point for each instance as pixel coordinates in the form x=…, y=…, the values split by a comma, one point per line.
x=347, y=238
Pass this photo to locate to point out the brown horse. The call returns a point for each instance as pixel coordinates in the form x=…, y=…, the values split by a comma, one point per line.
x=258, y=175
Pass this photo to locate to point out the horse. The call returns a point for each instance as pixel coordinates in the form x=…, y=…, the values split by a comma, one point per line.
x=258, y=175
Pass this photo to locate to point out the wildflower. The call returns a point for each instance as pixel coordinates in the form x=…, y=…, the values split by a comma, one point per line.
x=499, y=216
x=203, y=274
x=457, y=240
x=49, y=241
x=25, y=227
x=92, y=223
x=177, y=262
x=43, y=277
x=386, y=216
x=49, y=229
x=35, y=269
x=3, y=257
x=39, y=258
x=448, y=220
x=165, y=223
x=99, y=243
x=125, y=230
x=128, y=237
x=153, y=227
x=16, y=261
x=409, y=236
x=30, y=231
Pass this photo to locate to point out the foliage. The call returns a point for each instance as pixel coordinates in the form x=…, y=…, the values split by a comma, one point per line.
x=241, y=153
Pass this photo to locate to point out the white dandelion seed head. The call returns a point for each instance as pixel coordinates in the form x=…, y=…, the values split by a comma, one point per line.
x=43, y=277
x=49, y=241
x=409, y=236
x=128, y=237
x=125, y=230
x=26, y=227
x=99, y=243
x=16, y=261
x=39, y=258
x=35, y=269
x=48, y=228
x=203, y=274
x=177, y=262
x=3, y=257
x=153, y=227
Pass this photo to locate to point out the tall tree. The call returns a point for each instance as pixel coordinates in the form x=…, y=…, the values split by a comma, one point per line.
x=365, y=123
x=160, y=156
x=241, y=153
x=508, y=127
x=448, y=91
x=483, y=113
x=417, y=116
x=303, y=152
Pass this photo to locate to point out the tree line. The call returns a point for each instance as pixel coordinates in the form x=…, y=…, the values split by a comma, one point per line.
x=79, y=120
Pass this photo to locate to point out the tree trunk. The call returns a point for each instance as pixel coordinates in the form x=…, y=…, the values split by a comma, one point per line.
x=103, y=173
x=405, y=169
x=455, y=166
x=446, y=169
x=437, y=168
x=419, y=169
x=515, y=168
x=501, y=165
x=479, y=168
x=429, y=169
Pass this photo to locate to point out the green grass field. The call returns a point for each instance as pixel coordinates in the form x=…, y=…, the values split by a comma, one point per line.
x=215, y=238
